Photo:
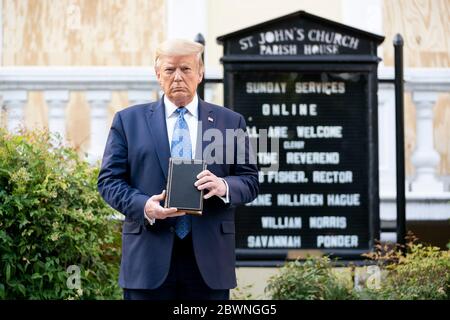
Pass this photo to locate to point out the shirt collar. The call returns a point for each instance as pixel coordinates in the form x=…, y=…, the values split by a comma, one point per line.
x=191, y=107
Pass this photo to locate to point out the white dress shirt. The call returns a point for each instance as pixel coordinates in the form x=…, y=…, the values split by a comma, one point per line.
x=191, y=117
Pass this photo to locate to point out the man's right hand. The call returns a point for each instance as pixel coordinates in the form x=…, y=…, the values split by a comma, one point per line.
x=153, y=209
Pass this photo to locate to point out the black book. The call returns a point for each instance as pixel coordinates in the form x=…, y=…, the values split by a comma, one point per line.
x=181, y=192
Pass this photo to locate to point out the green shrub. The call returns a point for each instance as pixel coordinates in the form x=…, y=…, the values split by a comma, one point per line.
x=52, y=217
x=309, y=280
x=423, y=273
x=412, y=272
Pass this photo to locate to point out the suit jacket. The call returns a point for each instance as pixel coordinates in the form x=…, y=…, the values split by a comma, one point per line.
x=134, y=167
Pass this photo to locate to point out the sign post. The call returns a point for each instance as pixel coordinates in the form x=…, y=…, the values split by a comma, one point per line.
x=311, y=83
x=201, y=87
x=400, y=141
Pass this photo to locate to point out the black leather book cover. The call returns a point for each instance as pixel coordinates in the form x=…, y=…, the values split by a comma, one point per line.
x=181, y=192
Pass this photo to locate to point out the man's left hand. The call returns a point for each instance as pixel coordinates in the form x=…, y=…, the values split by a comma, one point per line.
x=209, y=181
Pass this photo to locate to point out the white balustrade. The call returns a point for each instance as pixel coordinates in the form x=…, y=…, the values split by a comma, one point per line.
x=425, y=158
x=57, y=82
x=426, y=198
x=14, y=102
x=57, y=101
x=98, y=101
x=425, y=85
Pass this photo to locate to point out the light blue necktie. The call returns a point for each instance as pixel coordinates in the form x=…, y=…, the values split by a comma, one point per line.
x=181, y=147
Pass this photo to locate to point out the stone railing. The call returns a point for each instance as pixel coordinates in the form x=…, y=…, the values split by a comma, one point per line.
x=97, y=83
x=140, y=83
x=426, y=195
x=424, y=85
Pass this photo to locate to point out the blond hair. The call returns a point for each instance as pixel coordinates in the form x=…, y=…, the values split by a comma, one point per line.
x=179, y=47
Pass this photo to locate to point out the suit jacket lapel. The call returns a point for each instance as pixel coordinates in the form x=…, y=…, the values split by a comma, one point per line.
x=207, y=121
x=156, y=121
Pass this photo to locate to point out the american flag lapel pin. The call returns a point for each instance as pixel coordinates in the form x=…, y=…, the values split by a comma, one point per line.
x=210, y=119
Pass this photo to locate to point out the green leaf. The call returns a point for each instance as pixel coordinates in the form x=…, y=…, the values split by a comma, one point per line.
x=8, y=272
x=36, y=276
x=22, y=289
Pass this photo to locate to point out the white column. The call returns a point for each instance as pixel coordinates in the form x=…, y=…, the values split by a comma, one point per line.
x=14, y=103
x=425, y=158
x=386, y=144
x=139, y=96
x=57, y=102
x=98, y=101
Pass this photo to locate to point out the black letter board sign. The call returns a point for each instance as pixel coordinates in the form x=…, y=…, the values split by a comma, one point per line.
x=312, y=84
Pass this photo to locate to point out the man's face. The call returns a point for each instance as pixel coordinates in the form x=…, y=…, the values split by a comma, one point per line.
x=179, y=77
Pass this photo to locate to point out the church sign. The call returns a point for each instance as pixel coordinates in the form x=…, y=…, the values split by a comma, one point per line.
x=310, y=83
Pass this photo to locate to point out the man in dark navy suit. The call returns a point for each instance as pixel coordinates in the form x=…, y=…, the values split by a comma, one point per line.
x=167, y=254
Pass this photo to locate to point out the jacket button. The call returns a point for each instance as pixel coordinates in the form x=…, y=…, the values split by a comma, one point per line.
x=172, y=229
